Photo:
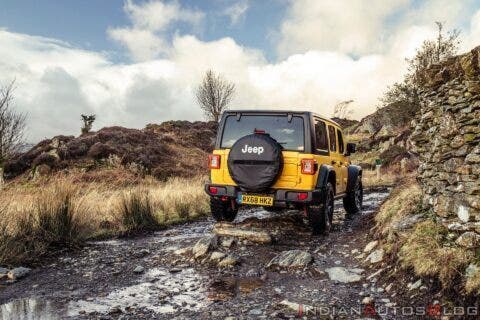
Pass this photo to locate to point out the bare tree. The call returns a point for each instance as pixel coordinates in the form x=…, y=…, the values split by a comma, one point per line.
x=12, y=125
x=342, y=110
x=87, y=122
x=432, y=51
x=214, y=94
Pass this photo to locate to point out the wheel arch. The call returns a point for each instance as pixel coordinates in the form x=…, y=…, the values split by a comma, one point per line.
x=326, y=174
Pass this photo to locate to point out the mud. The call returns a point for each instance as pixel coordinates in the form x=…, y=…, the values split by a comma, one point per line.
x=98, y=281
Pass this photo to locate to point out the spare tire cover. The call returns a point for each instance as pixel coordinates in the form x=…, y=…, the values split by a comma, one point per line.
x=254, y=162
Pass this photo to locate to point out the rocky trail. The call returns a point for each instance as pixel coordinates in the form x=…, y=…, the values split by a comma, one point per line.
x=186, y=272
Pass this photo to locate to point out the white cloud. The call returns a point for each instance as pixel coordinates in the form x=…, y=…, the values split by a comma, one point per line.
x=57, y=82
x=146, y=39
x=157, y=15
x=348, y=26
x=237, y=11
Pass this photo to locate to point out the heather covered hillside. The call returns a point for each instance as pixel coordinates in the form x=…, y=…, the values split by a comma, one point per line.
x=173, y=148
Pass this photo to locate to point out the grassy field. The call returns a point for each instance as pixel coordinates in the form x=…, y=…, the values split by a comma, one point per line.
x=58, y=212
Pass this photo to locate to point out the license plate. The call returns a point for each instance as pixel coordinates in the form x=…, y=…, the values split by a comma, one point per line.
x=256, y=200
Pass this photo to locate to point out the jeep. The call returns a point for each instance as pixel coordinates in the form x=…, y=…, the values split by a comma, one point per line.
x=282, y=159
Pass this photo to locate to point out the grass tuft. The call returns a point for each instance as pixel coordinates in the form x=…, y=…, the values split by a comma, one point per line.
x=426, y=251
x=136, y=211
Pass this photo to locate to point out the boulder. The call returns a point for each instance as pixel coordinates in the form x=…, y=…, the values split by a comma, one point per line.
x=217, y=255
x=376, y=256
x=18, y=273
x=139, y=269
x=202, y=246
x=228, y=261
x=370, y=246
x=291, y=259
x=257, y=236
x=469, y=239
x=344, y=275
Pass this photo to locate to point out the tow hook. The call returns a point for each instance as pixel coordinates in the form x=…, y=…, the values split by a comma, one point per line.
x=305, y=210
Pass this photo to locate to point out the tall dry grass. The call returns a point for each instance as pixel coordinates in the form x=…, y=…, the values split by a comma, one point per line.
x=36, y=220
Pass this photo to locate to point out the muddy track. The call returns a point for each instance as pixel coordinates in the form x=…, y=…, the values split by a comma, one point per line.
x=99, y=282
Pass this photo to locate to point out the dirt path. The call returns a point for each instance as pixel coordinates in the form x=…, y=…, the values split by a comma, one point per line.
x=100, y=282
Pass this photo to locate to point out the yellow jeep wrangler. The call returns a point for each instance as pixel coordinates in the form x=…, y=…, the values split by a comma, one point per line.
x=279, y=159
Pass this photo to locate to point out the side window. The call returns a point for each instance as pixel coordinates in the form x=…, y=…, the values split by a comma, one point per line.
x=341, y=147
x=321, y=140
x=333, y=138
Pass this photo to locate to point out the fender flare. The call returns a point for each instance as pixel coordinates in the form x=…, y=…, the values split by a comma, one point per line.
x=323, y=175
x=354, y=172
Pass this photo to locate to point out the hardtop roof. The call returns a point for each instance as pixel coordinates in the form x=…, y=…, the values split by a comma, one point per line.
x=310, y=113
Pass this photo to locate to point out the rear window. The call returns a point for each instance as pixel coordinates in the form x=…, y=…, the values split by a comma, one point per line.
x=288, y=134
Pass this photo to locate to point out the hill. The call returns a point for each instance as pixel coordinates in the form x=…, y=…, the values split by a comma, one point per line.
x=173, y=148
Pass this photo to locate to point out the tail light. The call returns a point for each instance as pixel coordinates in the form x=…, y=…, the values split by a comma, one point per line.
x=302, y=196
x=214, y=161
x=308, y=166
x=213, y=190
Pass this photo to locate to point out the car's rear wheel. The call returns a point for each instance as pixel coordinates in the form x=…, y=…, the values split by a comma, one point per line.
x=320, y=216
x=223, y=210
x=354, y=199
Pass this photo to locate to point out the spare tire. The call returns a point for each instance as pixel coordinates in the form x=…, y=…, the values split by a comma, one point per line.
x=254, y=162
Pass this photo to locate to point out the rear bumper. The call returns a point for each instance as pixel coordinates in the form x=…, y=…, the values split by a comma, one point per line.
x=281, y=197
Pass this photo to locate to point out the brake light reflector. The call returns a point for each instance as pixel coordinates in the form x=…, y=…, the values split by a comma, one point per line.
x=213, y=190
x=214, y=161
x=302, y=196
x=308, y=166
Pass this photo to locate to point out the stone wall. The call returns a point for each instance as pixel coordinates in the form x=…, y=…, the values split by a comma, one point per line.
x=447, y=138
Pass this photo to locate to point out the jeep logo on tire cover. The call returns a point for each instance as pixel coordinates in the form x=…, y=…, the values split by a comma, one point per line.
x=249, y=149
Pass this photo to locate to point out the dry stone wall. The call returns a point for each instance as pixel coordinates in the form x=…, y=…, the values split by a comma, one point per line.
x=447, y=138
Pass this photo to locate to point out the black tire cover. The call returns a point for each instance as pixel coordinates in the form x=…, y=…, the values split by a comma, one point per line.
x=254, y=162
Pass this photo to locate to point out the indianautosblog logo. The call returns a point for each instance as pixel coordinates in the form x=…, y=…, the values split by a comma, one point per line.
x=432, y=310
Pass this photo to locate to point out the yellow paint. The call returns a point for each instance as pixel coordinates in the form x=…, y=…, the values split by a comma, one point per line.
x=291, y=177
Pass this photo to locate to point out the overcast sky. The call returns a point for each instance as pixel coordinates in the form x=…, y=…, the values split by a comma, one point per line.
x=136, y=62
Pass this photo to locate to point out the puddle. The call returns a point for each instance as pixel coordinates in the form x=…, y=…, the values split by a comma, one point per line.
x=160, y=292
x=30, y=309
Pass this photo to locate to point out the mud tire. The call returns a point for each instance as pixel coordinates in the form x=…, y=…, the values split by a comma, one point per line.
x=222, y=210
x=353, y=201
x=320, y=216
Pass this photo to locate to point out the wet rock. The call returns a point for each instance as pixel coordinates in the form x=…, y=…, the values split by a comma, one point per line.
x=415, y=285
x=202, y=246
x=18, y=273
x=407, y=222
x=376, y=256
x=344, y=275
x=257, y=236
x=217, y=255
x=291, y=259
x=469, y=240
x=139, y=269
x=370, y=246
x=182, y=251
x=255, y=312
x=227, y=242
x=3, y=272
x=368, y=300
x=228, y=261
